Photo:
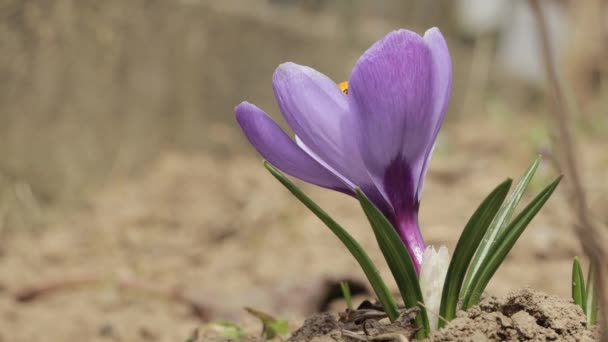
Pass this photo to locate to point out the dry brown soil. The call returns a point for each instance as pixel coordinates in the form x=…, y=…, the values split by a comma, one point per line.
x=130, y=103
x=524, y=315
x=217, y=233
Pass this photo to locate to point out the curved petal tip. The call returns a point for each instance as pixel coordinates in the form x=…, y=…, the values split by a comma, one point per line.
x=282, y=152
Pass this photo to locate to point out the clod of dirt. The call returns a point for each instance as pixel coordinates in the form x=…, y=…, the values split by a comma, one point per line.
x=524, y=315
x=316, y=326
x=367, y=323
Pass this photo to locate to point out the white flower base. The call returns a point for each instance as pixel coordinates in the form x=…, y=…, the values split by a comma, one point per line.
x=432, y=276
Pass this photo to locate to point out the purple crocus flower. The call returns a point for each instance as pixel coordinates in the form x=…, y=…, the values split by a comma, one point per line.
x=378, y=137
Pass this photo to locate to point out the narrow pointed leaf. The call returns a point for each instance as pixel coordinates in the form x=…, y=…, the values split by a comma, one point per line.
x=346, y=294
x=271, y=327
x=579, y=293
x=592, y=295
x=398, y=259
x=503, y=245
x=500, y=222
x=370, y=270
x=467, y=244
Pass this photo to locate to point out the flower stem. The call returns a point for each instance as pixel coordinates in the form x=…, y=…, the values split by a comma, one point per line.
x=407, y=228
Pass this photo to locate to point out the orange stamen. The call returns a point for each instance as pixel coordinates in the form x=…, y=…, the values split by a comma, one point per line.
x=344, y=87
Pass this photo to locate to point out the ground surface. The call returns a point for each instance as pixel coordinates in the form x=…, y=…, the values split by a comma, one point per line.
x=523, y=315
x=132, y=209
x=223, y=234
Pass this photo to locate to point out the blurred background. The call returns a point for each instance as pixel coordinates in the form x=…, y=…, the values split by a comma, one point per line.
x=133, y=209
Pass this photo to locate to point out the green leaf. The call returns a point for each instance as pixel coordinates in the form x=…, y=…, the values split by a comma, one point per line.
x=227, y=329
x=503, y=245
x=399, y=261
x=346, y=294
x=370, y=270
x=592, y=295
x=500, y=222
x=279, y=326
x=579, y=293
x=271, y=327
x=467, y=244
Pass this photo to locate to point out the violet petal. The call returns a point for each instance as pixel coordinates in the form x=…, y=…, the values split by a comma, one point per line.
x=278, y=149
x=442, y=87
x=390, y=93
x=317, y=111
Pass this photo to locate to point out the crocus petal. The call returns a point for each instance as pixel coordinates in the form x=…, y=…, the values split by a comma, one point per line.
x=434, y=268
x=368, y=188
x=317, y=111
x=314, y=156
x=390, y=93
x=425, y=166
x=442, y=87
x=278, y=149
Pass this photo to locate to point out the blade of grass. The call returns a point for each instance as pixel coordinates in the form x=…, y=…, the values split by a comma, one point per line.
x=346, y=294
x=592, y=295
x=500, y=222
x=271, y=327
x=579, y=293
x=503, y=246
x=467, y=244
x=370, y=270
x=398, y=260
x=563, y=110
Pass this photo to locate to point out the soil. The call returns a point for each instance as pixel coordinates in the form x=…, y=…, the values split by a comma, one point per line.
x=132, y=208
x=524, y=315
x=197, y=237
